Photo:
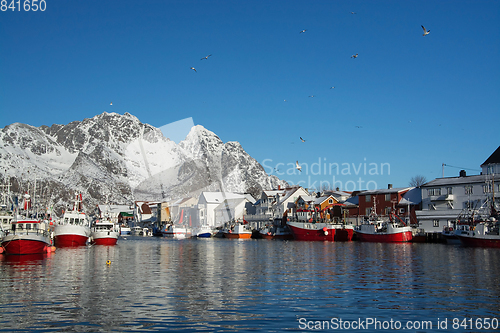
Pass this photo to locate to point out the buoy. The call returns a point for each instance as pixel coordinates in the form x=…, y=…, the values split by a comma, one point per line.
x=325, y=229
x=108, y=262
x=53, y=248
x=326, y=233
x=1, y=249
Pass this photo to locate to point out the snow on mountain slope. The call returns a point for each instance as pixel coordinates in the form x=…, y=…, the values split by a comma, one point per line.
x=116, y=158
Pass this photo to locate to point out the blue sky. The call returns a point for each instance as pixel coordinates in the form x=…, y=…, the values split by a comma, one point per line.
x=407, y=101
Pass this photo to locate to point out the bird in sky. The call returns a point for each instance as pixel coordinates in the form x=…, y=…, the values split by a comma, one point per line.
x=358, y=126
x=332, y=87
x=303, y=31
x=302, y=139
x=311, y=96
x=111, y=103
x=297, y=166
x=194, y=69
x=354, y=56
x=426, y=32
x=353, y=13
x=206, y=57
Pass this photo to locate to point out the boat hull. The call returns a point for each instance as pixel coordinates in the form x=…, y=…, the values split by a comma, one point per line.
x=71, y=235
x=238, y=235
x=25, y=244
x=344, y=234
x=312, y=232
x=404, y=236
x=204, y=235
x=280, y=236
x=105, y=240
x=486, y=241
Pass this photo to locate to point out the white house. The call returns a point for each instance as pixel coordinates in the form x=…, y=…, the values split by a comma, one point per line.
x=444, y=199
x=231, y=210
x=208, y=201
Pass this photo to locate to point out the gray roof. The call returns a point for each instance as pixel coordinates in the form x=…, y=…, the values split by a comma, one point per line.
x=459, y=180
x=494, y=158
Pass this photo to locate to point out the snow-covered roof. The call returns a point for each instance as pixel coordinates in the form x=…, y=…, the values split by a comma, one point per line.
x=230, y=203
x=412, y=197
x=387, y=190
x=320, y=200
x=307, y=198
x=352, y=201
x=219, y=197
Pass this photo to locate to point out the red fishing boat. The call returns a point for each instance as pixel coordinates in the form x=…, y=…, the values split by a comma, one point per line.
x=27, y=236
x=310, y=231
x=392, y=231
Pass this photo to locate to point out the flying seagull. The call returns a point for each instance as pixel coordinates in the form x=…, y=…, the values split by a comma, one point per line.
x=194, y=69
x=354, y=56
x=303, y=31
x=353, y=13
x=426, y=32
x=206, y=57
x=302, y=139
x=297, y=166
x=332, y=87
x=111, y=103
x=311, y=96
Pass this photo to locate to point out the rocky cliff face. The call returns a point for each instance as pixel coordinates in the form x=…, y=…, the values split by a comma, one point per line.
x=116, y=158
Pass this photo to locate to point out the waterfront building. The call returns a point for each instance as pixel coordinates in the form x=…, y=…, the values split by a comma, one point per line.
x=444, y=199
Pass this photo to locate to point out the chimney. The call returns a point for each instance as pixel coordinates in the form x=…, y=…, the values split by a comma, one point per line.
x=463, y=173
x=279, y=187
x=389, y=186
x=337, y=189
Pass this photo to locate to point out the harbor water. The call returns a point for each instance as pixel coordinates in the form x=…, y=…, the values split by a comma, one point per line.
x=155, y=284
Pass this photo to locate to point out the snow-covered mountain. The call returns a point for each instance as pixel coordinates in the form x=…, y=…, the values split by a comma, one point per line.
x=116, y=158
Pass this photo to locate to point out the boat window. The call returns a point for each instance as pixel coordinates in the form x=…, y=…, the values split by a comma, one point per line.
x=28, y=226
x=20, y=226
x=65, y=220
x=71, y=220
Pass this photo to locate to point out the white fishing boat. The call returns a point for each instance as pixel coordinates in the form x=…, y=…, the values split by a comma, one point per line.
x=175, y=231
x=203, y=231
x=73, y=228
x=104, y=232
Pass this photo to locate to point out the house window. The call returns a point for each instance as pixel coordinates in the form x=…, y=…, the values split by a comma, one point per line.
x=388, y=197
x=401, y=210
x=330, y=201
x=435, y=223
x=434, y=191
x=368, y=198
x=488, y=187
x=468, y=189
x=368, y=211
x=449, y=190
x=387, y=210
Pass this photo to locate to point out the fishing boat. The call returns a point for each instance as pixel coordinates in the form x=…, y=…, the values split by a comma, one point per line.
x=276, y=232
x=125, y=230
x=203, y=231
x=311, y=231
x=343, y=232
x=393, y=231
x=238, y=231
x=104, y=232
x=73, y=228
x=27, y=236
x=483, y=234
x=176, y=231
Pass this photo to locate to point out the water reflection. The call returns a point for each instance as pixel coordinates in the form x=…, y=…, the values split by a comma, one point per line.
x=215, y=284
